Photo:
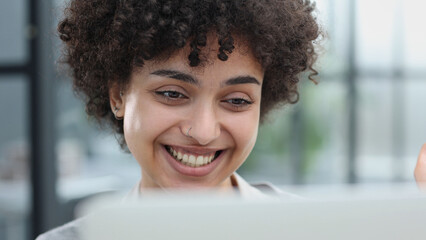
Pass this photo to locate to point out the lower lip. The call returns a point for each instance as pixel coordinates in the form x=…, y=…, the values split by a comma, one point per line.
x=192, y=171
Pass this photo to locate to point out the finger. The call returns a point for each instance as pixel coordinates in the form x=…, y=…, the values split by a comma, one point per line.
x=420, y=170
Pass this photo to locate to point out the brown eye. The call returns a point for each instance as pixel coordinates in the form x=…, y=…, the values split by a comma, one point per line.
x=170, y=94
x=239, y=101
x=237, y=104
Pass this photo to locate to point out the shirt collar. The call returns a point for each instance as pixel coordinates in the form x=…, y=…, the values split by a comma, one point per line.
x=245, y=190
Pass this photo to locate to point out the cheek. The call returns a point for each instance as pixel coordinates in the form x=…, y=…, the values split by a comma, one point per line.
x=244, y=131
x=144, y=122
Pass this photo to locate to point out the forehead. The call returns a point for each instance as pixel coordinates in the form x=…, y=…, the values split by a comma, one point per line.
x=240, y=62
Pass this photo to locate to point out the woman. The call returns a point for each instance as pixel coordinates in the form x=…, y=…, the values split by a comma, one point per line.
x=185, y=84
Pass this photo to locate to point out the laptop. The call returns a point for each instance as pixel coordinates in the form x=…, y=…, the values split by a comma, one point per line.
x=190, y=216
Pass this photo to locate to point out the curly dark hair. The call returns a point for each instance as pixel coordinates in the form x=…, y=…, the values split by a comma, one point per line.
x=106, y=39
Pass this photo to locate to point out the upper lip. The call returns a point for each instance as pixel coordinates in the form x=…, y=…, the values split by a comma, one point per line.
x=195, y=149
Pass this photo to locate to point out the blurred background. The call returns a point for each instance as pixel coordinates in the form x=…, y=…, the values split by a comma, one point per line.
x=364, y=123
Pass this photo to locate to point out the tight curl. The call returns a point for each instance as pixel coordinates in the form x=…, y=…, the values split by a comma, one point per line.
x=106, y=39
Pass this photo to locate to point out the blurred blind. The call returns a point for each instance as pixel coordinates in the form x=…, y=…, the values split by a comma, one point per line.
x=13, y=28
x=14, y=177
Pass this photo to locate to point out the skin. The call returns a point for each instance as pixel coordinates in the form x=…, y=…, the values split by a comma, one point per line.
x=420, y=170
x=159, y=109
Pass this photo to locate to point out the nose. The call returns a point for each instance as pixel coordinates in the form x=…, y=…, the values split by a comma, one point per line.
x=204, y=125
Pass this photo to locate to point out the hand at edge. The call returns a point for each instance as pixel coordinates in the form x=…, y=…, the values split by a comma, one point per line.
x=420, y=170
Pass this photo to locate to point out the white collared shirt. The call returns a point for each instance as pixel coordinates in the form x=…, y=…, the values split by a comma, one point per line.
x=245, y=189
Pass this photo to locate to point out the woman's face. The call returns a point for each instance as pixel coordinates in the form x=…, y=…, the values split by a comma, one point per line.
x=192, y=127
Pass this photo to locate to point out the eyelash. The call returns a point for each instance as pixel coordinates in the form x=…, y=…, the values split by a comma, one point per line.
x=243, y=103
x=166, y=95
x=238, y=106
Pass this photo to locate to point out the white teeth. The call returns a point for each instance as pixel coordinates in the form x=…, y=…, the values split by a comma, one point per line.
x=191, y=160
x=200, y=160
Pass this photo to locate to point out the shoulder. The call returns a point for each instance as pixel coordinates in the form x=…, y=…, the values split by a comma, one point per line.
x=68, y=231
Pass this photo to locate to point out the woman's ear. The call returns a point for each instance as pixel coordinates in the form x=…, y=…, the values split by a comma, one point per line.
x=116, y=100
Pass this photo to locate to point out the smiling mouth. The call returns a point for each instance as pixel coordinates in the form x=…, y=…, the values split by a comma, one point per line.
x=192, y=159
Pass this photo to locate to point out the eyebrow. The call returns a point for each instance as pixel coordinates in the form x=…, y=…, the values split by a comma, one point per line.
x=177, y=75
x=242, y=80
x=190, y=79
